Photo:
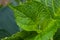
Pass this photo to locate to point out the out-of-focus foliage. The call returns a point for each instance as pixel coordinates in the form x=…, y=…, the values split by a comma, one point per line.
x=41, y=16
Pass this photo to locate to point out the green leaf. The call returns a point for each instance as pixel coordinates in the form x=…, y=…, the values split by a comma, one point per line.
x=40, y=16
x=30, y=17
